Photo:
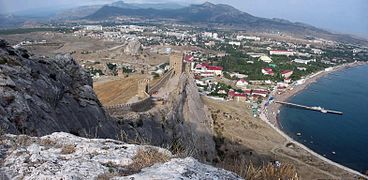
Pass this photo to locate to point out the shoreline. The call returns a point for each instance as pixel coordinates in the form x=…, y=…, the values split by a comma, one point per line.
x=269, y=114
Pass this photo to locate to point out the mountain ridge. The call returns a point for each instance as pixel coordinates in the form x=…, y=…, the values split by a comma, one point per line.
x=209, y=14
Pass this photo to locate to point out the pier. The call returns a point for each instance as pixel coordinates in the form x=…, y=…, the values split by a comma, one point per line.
x=314, y=108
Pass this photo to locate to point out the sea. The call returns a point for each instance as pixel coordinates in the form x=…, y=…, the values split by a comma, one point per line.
x=340, y=138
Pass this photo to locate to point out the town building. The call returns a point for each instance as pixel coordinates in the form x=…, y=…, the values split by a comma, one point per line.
x=286, y=73
x=301, y=68
x=234, y=43
x=206, y=70
x=265, y=59
x=260, y=92
x=241, y=83
x=302, y=61
x=282, y=53
x=237, y=96
x=268, y=71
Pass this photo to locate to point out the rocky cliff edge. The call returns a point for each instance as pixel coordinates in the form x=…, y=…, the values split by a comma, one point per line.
x=39, y=96
x=65, y=156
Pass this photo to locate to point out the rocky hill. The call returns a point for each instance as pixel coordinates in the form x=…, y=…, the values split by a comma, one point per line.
x=39, y=96
x=65, y=156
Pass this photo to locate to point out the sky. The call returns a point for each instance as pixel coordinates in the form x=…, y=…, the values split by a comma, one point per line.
x=342, y=16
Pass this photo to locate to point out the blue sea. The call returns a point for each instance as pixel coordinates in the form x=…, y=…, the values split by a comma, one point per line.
x=341, y=138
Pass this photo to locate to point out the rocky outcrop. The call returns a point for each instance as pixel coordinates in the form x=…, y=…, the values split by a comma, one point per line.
x=181, y=124
x=65, y=156
x=133, y=47
x=39, y=96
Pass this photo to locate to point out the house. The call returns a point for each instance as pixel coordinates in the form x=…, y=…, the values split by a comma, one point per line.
x=234, y=43
x=287, y=80
x=241, y=83
x=255, y=55
x=317, y=51
x=238, y=75
x=301, y=68
x=265, y=59
x=282, y=85
x=282, y=53
x=206, y=70
x=268, y=71
x=240, y=97
x=260, y=92
x=286, y=73
x=302, y=61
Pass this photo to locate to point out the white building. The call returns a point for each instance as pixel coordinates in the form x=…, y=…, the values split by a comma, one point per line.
x=265, y=59
x=241, y=83
x=93, y=27
x=302, y=61
x=282, y=53
x=234, y=43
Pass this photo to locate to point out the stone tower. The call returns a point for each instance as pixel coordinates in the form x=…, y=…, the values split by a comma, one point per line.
x=143, y=88
x=176, y=62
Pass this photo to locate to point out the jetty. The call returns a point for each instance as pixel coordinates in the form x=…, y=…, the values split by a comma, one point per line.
x=312, y=108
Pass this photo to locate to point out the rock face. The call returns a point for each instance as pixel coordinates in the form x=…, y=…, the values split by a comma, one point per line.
x=39, y=96
x=133, y=47
x=65, y=156
x=182, y=124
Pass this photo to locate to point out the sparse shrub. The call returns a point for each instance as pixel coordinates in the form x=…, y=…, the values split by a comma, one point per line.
x=269, y=171
x=23, y=140
x=146, y=158
x=106, y=176
x=47, y=143
x=68, y=149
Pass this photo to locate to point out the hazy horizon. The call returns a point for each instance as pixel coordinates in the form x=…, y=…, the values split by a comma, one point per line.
x=336, y=16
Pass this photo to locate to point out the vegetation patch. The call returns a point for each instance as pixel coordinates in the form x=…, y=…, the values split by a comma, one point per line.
x=68, y=149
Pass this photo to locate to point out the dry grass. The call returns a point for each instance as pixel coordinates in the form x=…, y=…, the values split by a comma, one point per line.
x=117, y=91
x=269, y=171
x=47, y=143
x=146, y=158
x=68, y=149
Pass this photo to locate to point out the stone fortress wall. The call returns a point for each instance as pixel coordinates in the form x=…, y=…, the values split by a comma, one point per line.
x=145, y=91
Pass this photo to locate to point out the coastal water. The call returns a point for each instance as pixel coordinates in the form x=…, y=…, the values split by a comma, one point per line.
x=341, y=138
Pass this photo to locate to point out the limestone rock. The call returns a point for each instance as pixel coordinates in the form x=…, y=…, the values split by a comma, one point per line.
x=39, y=96
x=133, y=47
x=24, y=157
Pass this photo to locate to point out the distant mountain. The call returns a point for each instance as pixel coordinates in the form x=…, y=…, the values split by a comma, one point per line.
x=218, y=15
x=77, y=13
x=122, y=4
x=83, y=11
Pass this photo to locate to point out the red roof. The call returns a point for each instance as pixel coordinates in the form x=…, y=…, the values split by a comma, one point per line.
x=242, y=80
x=188, y=58
x=268, y=69
x=259, y=91
x=286, y=71
x=215, y=68
x=240, y=95
x=232, y=93
x=208, y=67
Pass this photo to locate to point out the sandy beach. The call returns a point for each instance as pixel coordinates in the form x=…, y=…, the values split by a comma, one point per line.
x=269, y=113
